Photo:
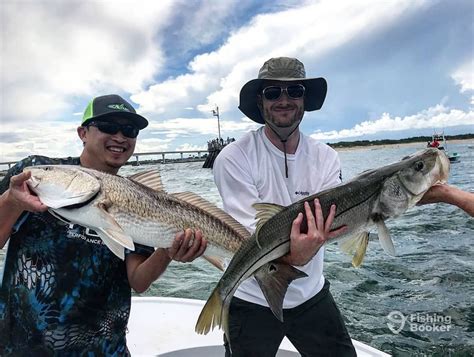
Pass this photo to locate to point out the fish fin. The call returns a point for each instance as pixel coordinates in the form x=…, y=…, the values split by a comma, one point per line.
x=206, y=206
x=115, y=247
x=149, y=178
x=55, y=203
x=265, y=211
x=113, y=230
x=120, y=237
x=212, y=314
x=58, y=216
x=384, y=238
x=218, y=262
x=356, y=245
x=274, y=278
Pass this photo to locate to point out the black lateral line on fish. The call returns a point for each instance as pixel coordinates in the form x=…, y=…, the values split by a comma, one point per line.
x=347, y=209
x=82, y=204
x=357, y=204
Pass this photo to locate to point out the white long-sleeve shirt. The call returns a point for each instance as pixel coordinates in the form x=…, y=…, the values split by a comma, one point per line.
x=252, y=170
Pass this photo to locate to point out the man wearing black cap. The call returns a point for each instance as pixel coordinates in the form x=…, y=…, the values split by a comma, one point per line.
x=278, y=164
x=63, y=291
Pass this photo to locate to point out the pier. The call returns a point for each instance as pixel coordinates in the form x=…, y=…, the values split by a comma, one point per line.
x=139, y=158
x=163, y=160
x=8, y=163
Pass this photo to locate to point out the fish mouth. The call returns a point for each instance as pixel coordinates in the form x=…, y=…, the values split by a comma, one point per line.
x=444, y=167
x=32, y=182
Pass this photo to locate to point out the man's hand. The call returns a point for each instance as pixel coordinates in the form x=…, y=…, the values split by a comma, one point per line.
x=13, y=202
x=452, y=195
x=187, y=246
x=20, y=197
x=435, y=194
x=304, y=246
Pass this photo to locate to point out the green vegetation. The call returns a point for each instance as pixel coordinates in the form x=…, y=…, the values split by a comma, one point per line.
x=415, y=139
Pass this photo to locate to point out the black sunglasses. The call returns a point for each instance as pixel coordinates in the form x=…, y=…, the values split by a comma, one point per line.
x=293, y=92
x=127, y=130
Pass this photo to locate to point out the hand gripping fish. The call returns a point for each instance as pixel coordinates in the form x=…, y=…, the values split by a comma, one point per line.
x=365, y=201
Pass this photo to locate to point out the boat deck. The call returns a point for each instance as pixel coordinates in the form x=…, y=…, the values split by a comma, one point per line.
x=160, y=326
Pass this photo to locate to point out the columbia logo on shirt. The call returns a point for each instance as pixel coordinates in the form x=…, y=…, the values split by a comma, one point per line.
x=302, y=193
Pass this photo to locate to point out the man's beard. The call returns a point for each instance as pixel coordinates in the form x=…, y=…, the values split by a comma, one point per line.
x=284, y=129
x=286, y=122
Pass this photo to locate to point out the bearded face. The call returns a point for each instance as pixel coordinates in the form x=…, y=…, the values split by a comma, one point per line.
x=282, y=112
x=280, y=108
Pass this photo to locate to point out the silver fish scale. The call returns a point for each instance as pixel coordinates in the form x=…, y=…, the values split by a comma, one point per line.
x=153, y=218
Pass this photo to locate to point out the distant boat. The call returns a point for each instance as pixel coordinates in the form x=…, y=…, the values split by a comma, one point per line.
x=438, y=140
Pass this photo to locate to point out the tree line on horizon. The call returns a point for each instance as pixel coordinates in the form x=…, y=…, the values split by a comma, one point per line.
x=414, y=139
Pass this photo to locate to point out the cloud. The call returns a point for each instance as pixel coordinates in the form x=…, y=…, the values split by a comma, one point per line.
x=191, y=147
x=216, y=77
x=90, y=48
x=172, y=95
x=212, y=18
x=178, y=59
x=152, y=144
x=438, y=116
x=39, y=138
x=464, y=76
x=199, y=126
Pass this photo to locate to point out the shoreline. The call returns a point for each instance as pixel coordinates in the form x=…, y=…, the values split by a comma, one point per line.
x=419, y=144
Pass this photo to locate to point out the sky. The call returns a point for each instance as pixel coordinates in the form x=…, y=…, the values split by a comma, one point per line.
x=395, y=68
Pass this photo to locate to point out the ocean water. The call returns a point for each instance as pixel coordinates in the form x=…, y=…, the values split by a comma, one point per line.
x=419, y=303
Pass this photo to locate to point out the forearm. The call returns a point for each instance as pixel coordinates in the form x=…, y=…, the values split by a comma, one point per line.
x=9, y=214
x=144, y=271
x=295, y=261
x=462, y=199
x=451, y=195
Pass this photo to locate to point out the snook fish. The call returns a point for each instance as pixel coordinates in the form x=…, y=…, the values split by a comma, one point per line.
x=366, y=201
x=124, y=211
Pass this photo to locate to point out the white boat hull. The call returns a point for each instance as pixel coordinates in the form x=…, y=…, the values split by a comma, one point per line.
x=160, y=326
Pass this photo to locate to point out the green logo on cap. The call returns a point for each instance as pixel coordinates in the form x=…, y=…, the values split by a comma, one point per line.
x=118, y=107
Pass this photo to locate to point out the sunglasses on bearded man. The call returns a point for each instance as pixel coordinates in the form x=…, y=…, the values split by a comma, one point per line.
x=274, y=92
x=128, y=130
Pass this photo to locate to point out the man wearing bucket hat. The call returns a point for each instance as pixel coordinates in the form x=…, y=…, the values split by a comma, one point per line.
x=278, y=164
x=64, y=292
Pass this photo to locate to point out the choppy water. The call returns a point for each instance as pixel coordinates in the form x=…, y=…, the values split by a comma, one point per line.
x=429, y=284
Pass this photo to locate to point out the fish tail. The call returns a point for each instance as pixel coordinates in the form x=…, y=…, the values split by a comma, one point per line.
x=212, y=314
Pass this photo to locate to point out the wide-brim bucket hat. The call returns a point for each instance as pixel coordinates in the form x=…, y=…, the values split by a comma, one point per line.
x=282, y=69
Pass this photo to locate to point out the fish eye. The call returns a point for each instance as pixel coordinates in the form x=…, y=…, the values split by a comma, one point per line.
x=419, y=166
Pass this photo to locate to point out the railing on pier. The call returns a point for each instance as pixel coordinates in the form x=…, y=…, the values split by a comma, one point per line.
x=164, y=153
x=8, y=163
x=136, y=157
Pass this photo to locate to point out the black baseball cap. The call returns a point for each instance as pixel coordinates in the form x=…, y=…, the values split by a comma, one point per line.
x=109, y=106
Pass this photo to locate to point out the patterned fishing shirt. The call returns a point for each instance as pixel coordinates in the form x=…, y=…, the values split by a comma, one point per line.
x=63, y=292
